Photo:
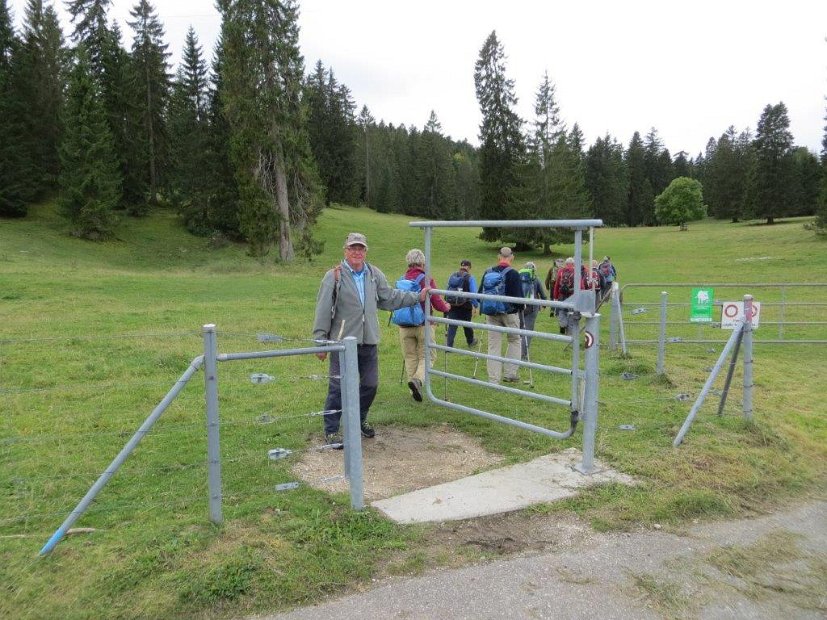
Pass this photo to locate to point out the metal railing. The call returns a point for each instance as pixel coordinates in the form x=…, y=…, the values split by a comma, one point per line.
x=209, y=361
x=580, y=305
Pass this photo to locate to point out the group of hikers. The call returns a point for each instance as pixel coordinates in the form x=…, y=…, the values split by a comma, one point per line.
x=353, y=291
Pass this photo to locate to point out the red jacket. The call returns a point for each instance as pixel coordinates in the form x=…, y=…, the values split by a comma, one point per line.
x=437, y=303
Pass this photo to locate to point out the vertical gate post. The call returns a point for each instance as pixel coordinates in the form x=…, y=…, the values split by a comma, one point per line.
x=353, y=431
x=662, y=334
x=213, y=428
x=747, y=357
x=589, y=409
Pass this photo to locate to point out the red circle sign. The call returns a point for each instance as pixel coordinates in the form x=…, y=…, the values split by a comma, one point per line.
x=730, y=311
x=588, y=340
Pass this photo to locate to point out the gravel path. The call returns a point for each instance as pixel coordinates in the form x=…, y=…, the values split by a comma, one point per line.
x=773, y=566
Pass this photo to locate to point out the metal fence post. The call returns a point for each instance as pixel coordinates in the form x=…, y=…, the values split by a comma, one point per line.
x=612, y=320
x=589, y=410
x=213, y=429
x=353, y=431
x=662, y=334
x=747, y=343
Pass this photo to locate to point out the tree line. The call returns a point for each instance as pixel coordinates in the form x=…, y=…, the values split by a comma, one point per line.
x=250, y=147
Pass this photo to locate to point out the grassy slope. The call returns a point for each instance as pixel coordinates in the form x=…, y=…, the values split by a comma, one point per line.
x=93, y=335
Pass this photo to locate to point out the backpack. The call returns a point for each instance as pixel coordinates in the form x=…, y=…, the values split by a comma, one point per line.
x=493, y=283
x=566, y=287
x=527, y=279
x=412, y=316
x=606, y=271
x=459, y=281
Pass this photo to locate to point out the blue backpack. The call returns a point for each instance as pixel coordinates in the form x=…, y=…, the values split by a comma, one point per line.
x=459, y=281
x=493, y=283
x=412, y=316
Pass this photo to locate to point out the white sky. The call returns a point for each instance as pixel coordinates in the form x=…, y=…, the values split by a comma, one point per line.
x=689, y=69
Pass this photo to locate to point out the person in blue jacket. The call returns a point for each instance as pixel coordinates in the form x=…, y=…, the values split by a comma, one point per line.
x=463, y=311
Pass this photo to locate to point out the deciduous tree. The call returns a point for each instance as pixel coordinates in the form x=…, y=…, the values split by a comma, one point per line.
x=680, y=203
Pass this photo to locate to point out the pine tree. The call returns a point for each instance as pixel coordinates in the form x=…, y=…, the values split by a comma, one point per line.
x=188, y=127
x=277, y=177
x=502, y=149
x=821, y=212
x=607, y=180
x=641, y=199
x=771, y=188
x=16, y=170
x=367, y=125
x=434, y=174
x=221, y=185
x=658, y=165
x=465, y=162
x=150, y=83
x=89, y=177
x=42, y=59
x=806, y=182
x=727, y=175
x=89, y=18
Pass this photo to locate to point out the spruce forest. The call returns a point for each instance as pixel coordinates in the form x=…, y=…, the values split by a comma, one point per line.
x=248, y=144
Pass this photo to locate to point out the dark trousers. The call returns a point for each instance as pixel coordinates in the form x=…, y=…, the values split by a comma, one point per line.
x=368, y=385
x=460, y=314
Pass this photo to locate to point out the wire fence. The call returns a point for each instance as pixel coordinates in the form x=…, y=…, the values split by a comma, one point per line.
x=55, y=439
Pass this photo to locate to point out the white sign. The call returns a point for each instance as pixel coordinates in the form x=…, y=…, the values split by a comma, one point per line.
x=732, y=312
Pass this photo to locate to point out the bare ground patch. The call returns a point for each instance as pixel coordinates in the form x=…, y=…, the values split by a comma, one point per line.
x=399, y=460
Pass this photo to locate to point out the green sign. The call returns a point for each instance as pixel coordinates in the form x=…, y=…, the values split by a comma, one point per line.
x=701, y=306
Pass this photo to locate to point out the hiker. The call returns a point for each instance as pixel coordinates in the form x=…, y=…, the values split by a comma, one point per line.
x=608, y=274
x=563, y=289
x=551, y=276
x=412, y=325
x=593, y=282
x=501, y=279
x=462, y=309
x=346, y=305
x=532, y=289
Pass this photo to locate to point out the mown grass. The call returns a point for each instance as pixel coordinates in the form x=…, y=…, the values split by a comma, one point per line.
x=93, y=335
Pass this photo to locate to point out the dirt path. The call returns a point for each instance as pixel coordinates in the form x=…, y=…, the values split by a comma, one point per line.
x=768, y=567
x=556, y=566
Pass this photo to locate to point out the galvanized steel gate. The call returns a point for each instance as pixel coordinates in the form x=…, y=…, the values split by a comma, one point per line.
x=580, y=306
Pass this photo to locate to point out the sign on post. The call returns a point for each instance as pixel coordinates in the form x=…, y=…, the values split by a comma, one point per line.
x=732, y=312
x=701, y=306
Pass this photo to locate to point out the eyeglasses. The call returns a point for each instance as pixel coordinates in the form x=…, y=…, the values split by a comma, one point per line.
x=357, y=248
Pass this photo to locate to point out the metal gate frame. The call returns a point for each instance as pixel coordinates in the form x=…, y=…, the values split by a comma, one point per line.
x=580, y=305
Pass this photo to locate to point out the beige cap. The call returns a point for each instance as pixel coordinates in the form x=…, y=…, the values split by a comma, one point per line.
x=506, y=252
x=356, y=239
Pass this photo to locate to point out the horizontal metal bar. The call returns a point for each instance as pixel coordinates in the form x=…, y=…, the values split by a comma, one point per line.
x=503, y=330
x=722, y=285
x=575, y=224
x=494, y=386
x=506, y=360
x=687, y=341
x=548, y=303
x=228, y=357
x=503, y=419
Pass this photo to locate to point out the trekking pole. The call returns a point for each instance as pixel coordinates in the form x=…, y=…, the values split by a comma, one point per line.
x=479, y=350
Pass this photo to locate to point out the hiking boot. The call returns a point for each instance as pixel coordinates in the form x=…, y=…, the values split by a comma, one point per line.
x=473, y=343
x=511, y=379
x=416, y=386
x=334, y=439
x=367, y=430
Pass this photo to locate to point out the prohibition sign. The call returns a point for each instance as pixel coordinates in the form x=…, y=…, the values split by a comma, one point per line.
x=731, y=311
x=588, y=340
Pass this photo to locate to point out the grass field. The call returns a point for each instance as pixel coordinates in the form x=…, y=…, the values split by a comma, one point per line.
x=93, y=335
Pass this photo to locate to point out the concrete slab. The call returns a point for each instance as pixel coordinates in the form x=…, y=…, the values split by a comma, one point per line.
x=545, y=479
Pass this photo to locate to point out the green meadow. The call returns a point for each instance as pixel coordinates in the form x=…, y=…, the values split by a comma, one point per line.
x=92, y=336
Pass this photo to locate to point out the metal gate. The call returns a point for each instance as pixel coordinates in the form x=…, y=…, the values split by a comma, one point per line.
x=579, y=306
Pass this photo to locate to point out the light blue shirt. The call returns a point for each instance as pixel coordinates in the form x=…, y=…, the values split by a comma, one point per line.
x=359, y=279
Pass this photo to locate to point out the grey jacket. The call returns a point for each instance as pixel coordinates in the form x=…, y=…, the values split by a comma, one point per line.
x=349, y=317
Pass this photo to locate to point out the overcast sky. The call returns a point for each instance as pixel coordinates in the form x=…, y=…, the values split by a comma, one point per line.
x=689, y=69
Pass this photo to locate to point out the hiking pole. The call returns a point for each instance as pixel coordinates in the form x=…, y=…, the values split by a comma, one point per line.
x=530, y=382
x=479, y=350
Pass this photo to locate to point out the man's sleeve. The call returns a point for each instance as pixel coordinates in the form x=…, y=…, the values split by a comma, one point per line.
x=390, y=298
x=324, y=307
x=472, y=286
